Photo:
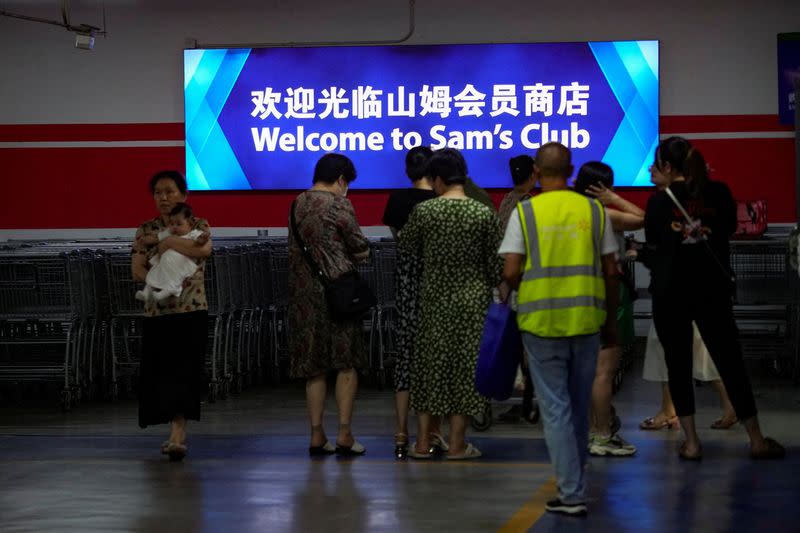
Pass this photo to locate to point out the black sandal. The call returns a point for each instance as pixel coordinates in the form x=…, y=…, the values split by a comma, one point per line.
x=354, y=450
x=772, y=450
x=176, y=452
x=686, y=457
x=400, y=445
x=325, y=449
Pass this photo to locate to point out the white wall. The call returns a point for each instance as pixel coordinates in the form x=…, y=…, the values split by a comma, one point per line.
x=718, y=57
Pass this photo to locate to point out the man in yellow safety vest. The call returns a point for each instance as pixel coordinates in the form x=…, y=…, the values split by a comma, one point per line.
x=560, y=255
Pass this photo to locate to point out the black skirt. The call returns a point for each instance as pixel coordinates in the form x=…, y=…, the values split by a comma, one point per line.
x=171, y=371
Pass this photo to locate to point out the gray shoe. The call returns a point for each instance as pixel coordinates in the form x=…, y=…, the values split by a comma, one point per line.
x=613, y=445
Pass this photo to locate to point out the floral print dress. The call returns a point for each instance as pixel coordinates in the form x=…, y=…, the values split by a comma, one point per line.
x=317, y=344
x=457, y=241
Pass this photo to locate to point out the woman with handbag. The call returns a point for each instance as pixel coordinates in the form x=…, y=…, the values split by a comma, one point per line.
x=456, y=239
x=324, y=233
x=688, y=225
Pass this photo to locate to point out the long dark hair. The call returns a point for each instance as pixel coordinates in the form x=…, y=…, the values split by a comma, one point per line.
x=685, y=160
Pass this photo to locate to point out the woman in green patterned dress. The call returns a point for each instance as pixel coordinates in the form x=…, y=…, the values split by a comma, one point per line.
x=457, y=240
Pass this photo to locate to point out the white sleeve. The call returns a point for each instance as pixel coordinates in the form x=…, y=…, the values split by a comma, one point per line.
x=192, y=235
x=609, y=244
x=514, y=240
x=163, y=234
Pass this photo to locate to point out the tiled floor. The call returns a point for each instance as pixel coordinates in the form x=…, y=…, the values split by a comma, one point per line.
x=247, y=470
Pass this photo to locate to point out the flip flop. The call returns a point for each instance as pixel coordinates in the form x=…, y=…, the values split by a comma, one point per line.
x=470, y=452
x=350, y=451
x=325, y=449
x=176, y=452
x=438, y=442
x=773, y=450
x=414, y=454
x=724, y=423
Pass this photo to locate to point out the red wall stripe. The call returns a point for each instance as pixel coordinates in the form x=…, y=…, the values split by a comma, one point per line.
x=167, y=131
x=107, y=187
x=720, y=123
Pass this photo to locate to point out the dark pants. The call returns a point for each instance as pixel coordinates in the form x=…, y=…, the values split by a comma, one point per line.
x=710, y=307
x=171, y=370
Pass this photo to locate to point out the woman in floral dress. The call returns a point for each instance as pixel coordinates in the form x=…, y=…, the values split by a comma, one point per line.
x=457, y=239
x=317, y=343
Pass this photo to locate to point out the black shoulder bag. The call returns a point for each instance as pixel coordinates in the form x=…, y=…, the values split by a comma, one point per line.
x=348, y=296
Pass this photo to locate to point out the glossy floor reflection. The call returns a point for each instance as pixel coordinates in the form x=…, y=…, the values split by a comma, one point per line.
x=93, y=470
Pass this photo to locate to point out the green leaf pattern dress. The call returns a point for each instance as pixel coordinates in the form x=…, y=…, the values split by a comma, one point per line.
x=457, y=241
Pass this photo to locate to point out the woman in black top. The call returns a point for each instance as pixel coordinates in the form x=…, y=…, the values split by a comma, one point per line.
x=401, y=203
x=399, y=207
x=692, y=281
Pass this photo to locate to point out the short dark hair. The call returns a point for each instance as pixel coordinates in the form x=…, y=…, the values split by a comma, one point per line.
x=448, y=164
x=554, y=160
x=182, y=208
x=417, y=162
x=592, y=173
x=174, y=175
x=331, y=167
x=521, y=168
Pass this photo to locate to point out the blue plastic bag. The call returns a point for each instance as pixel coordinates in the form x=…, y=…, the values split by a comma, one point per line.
x=499, y=355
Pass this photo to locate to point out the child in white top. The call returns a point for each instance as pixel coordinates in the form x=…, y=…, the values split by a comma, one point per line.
x=169, y=269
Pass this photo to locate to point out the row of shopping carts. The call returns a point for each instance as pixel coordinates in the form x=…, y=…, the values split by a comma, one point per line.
x=767, y=304
x=68, y=315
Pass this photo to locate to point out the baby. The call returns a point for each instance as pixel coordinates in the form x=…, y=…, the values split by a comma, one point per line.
x=169, y=270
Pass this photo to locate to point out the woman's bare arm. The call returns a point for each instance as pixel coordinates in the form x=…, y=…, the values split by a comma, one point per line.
x=608, y=197
x=195, y=250
x=621, y=221
x=139, y=267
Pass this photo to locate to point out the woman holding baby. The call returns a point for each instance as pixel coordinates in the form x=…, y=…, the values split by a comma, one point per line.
x=175, y=328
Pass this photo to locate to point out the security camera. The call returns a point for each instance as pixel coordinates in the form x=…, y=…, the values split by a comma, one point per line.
x=84, y=36
x=84, y=41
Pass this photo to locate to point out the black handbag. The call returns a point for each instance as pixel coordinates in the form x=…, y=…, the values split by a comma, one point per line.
x=348, y=296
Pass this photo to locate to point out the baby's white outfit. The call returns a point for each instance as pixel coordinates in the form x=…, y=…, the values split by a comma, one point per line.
x=168, y=270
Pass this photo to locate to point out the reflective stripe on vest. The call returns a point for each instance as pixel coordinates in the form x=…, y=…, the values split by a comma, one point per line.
x=562, y=293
